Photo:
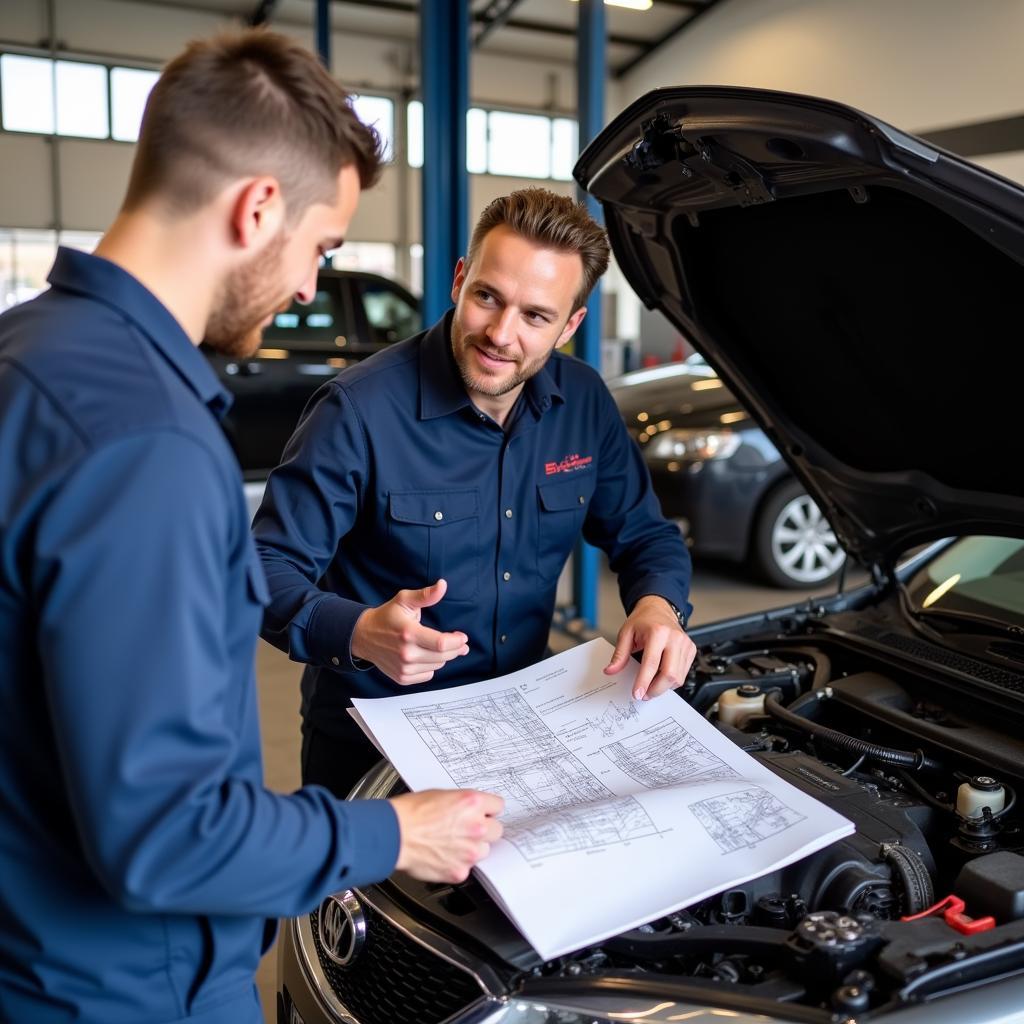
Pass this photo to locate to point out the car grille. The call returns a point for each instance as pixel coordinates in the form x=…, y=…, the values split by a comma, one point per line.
x=395, y=980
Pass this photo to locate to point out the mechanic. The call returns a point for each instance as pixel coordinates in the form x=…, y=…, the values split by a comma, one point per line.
x=140, y=852
x=431, y=495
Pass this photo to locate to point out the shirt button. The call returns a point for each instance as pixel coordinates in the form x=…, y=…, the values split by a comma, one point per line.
x=335, y=661
x=503, y=638
x=583, y=501
x=506, y=576
x=440, y=515
x=508, y=513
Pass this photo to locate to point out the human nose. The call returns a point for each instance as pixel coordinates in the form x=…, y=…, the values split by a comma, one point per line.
x=501, y=330
x=307, y=290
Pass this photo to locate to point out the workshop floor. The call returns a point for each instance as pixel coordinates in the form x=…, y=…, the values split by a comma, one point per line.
x=719, y=591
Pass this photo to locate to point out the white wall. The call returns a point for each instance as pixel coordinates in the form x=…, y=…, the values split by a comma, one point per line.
x=919, y=64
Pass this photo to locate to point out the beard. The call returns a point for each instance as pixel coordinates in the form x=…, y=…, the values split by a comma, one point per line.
x=235, y=326
x=522, y=369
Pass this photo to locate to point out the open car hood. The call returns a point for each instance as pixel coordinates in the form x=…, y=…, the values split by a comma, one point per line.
x=857, y=289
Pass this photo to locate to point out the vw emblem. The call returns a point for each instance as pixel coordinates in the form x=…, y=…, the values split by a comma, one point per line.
x=342, y=927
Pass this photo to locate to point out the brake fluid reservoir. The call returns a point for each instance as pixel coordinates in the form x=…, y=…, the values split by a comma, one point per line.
x=736, y=706
x=981, y=792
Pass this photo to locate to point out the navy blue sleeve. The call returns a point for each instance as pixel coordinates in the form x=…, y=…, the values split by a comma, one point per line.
x=310, y=503
x=144, y=696
x=644, y=549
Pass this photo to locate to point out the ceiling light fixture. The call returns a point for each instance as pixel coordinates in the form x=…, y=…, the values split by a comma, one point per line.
x=633, y=5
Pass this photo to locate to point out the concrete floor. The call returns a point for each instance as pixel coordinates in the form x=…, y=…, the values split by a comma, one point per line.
x=719, y=591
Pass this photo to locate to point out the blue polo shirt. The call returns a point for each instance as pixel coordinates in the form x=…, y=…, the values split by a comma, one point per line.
x=139, y=851
x=395, y=479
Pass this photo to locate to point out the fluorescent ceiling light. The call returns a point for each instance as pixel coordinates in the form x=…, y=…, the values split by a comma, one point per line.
x=633, y=5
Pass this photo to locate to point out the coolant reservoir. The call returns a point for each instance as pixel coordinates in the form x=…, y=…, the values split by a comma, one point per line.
x=981, y=792
x=736, y=706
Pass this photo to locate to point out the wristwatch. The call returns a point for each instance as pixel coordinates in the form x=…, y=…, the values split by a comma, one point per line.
x=680, y=617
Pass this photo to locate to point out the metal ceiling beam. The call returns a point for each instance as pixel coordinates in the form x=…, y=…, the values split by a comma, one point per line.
x=493, y=16
x=673, y=33
x=526, y=25
x=263, y=13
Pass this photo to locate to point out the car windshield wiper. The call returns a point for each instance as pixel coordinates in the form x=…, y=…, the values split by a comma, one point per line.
x=967, y=622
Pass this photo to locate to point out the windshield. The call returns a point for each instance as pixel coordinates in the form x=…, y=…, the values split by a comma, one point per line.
x=981, y=576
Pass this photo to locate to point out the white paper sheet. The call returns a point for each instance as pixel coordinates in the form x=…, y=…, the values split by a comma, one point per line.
x=616, y=811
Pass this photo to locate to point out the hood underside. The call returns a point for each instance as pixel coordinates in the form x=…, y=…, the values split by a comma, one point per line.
x=858, y=291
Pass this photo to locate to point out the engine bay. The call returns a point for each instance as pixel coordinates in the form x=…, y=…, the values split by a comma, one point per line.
x=926, y=897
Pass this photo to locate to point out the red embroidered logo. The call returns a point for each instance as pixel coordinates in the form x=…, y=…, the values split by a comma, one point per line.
x=568, y=465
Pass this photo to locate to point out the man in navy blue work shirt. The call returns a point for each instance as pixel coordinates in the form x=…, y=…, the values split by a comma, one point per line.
x=139, y=851
x=427, y=503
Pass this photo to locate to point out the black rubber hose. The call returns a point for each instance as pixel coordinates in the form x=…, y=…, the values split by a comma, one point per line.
x=916, y=886
x=887, y=755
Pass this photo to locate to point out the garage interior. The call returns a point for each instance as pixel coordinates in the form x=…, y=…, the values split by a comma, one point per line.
x=477, y=98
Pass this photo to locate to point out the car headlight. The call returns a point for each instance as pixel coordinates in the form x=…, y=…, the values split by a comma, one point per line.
x=690, y=445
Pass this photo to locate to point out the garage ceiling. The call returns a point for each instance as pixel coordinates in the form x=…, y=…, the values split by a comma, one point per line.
x=528, y=28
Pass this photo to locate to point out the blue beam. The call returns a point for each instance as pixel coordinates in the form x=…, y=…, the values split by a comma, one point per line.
x=444, y=78
x=592, y=72
x=323, y=31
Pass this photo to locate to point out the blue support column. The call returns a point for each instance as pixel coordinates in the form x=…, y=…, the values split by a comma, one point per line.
x=323, y=31
x=444, y=78
x=590, y=85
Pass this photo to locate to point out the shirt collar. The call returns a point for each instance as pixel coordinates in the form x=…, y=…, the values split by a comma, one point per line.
x=441, y=388
x=106, y=282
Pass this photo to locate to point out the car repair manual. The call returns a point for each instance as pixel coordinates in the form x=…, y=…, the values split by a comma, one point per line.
x=617, y=811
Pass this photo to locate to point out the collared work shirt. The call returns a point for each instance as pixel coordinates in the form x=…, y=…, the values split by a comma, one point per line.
x=394, y=479
x=139, y=851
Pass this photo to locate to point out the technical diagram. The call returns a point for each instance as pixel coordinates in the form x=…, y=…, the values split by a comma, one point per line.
x=577, y=829
x=665, y=754
x=741, y=820
x=614, y=718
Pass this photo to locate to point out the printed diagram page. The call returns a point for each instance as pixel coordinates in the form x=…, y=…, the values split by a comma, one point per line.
x=616, y=811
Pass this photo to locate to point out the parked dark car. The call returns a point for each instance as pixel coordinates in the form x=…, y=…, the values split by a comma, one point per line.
x=714, y=468
x=832, y=269
x=353, y=315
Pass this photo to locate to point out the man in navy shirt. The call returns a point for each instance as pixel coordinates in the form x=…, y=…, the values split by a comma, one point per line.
x=427, y=503
x=139, y=850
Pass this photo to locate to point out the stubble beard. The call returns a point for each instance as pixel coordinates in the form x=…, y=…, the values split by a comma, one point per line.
x=461, y=344
x=235, y=326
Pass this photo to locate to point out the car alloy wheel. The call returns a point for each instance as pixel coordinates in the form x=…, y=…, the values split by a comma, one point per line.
x=795, y=546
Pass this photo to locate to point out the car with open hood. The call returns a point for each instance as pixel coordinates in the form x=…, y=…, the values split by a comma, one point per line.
x=802, y=245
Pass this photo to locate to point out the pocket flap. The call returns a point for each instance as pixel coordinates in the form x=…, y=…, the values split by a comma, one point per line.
x=433, y=508
x=566, y=494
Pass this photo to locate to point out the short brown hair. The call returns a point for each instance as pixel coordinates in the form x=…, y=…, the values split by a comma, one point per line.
x=246, y=103
x=553, y=222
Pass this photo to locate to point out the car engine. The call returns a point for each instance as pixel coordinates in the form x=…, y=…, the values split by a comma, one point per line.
x=919, y=747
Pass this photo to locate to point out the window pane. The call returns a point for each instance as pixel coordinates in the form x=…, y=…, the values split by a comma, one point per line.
x=27, y=93
x=82, y=100
x=129, y=90
x=388, y=313
x=25, y=260
x=414, y=133
x=379, y=112
x=476, y=141
x=519, y=145
x=564, y=133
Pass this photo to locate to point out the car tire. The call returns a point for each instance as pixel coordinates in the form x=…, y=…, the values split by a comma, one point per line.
x=793, y=545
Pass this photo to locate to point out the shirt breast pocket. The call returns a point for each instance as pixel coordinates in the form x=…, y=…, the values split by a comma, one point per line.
x=561, y=508
x=436, y=535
